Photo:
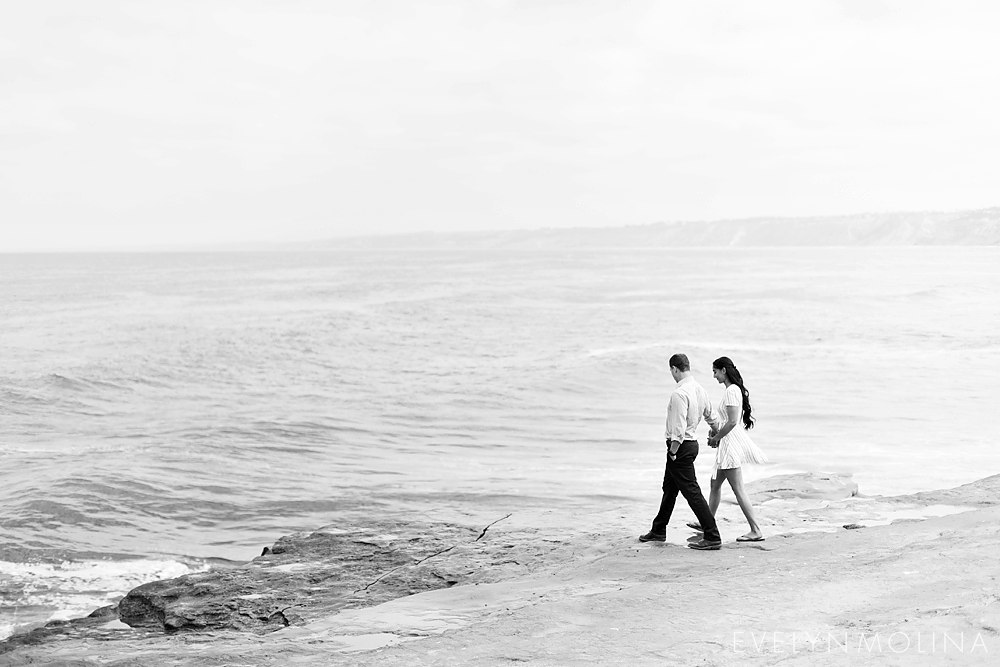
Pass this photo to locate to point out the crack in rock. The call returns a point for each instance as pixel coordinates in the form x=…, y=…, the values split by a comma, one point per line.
x=488, y=526
x=426, y=558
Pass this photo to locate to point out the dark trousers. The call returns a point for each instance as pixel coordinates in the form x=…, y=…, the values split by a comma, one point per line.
x=679, y=476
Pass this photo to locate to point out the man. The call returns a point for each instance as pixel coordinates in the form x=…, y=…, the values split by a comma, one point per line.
x=687, y=407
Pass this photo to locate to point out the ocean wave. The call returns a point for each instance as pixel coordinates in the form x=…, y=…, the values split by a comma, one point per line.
x=295, y=435
x=52, y=514
x=627, y=349
x=82, y=384
x=18, y=396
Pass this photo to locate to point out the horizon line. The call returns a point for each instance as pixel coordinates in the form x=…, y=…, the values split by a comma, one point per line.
x=299, y=245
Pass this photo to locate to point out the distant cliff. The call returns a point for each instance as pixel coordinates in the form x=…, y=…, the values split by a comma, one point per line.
x=980, y=227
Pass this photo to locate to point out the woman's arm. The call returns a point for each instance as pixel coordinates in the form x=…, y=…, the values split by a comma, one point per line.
x=732, y=414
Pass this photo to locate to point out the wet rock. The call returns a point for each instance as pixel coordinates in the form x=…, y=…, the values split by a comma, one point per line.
x=308, y=576
x=298, y=578
x=99, y=625
x=985, y=492
x=819, y=486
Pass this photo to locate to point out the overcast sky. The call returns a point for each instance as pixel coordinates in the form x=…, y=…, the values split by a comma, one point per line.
x=140, y=122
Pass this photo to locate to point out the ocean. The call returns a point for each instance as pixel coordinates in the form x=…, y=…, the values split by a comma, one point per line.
x=164, y=413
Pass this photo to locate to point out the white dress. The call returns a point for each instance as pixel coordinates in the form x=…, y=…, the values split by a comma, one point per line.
x=737, y=447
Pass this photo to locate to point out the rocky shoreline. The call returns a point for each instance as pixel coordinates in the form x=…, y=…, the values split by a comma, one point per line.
x=413, y=592
x=301, y=578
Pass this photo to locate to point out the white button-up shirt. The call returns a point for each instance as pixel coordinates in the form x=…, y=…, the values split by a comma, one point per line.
x=688, y=405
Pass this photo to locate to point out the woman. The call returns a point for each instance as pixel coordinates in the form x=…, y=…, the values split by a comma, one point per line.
x=735, y=447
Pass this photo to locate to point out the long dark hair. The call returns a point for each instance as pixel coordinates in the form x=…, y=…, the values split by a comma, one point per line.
x=726, y=365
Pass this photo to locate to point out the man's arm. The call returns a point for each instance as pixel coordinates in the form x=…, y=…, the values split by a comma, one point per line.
x=677, y=410
x=709, y=415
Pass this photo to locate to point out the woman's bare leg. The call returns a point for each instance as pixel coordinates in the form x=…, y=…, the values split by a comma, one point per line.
x=715, y=494
x=735, y=477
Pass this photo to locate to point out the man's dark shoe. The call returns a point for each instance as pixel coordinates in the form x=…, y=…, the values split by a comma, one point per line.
x=652, y=537
x=705, y=545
